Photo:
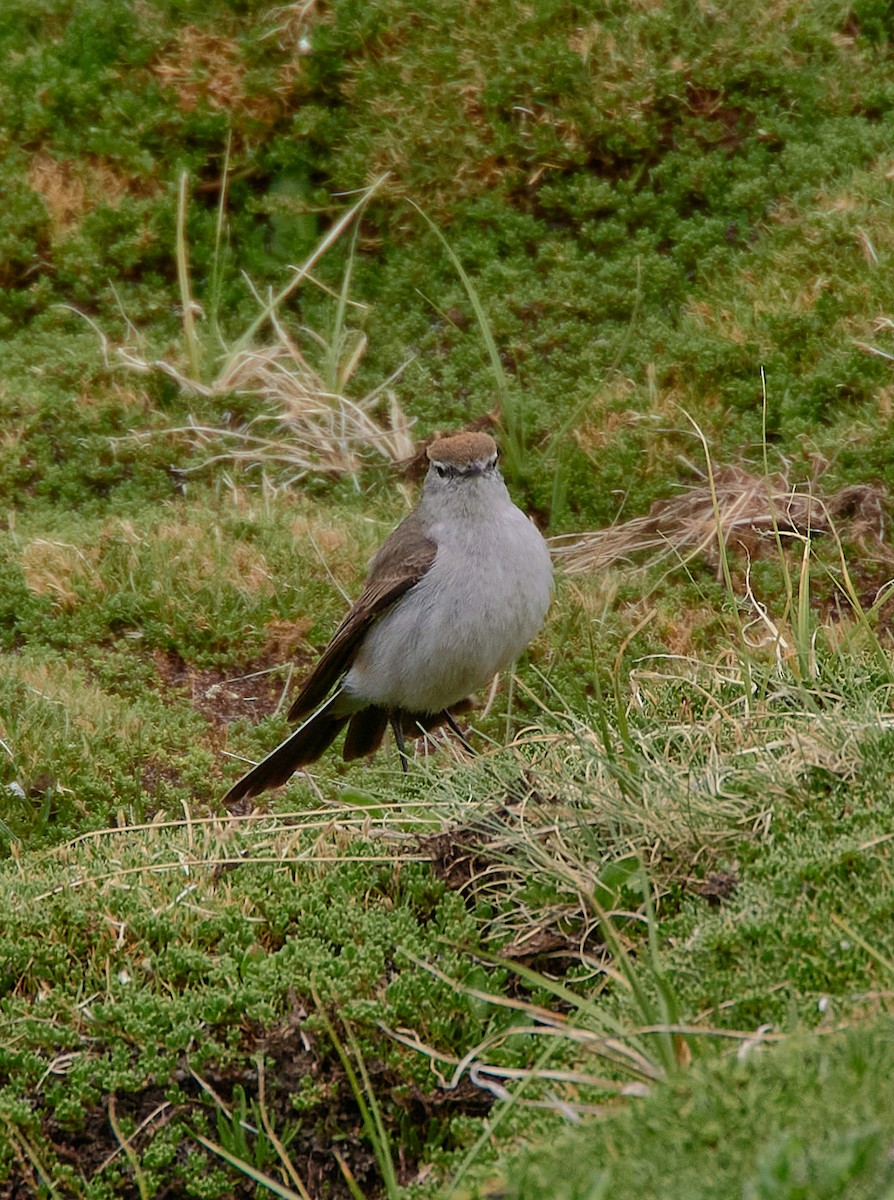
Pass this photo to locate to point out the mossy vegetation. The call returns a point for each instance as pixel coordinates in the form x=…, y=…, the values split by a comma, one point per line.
x=594, y=226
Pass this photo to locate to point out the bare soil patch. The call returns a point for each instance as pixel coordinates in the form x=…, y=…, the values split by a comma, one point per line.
x=223, y=696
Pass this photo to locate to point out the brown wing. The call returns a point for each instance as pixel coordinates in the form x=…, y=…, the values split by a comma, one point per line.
x=401, y=561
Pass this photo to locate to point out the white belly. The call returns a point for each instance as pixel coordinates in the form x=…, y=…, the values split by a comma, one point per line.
x=483, y=599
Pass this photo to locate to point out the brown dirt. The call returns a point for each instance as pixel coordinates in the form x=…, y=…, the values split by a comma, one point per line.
x=225, y=696
x=458, y=856
x=718, y=886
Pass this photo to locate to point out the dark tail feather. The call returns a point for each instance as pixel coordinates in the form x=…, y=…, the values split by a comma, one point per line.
x=365, y=732
x=304, y=746
x=368, y=727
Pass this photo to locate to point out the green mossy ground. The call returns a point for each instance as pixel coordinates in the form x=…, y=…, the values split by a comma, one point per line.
x=653, y=202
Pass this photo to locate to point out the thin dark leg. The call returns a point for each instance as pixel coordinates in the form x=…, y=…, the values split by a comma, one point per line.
x=456, y=729
x=397, y=728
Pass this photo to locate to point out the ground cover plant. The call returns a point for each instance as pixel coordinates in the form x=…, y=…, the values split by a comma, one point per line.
x=249, y=258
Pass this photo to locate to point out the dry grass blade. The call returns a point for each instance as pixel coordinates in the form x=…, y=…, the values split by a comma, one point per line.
x=271, y=1133
x=30, y=1160
x=336, y=815
x=625, y=1058
x=749, y=508
x=309, y=427
x=185, y=866
x=160, y=1110
x=204, y=848
x=127, y=1147
x=560, y=820
x=313, y=425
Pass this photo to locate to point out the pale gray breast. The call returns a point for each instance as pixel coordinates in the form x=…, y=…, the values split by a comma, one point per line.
x=480, y=603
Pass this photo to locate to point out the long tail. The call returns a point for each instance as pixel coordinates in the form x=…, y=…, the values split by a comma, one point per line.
x=309, y=740
x=303, y=746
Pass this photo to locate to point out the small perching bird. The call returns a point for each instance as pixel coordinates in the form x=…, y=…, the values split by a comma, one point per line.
x=452, y=598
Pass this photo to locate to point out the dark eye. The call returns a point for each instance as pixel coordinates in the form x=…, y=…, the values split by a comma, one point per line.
x=442, y=471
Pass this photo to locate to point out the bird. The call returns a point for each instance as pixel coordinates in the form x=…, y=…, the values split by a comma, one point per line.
x=452, y=598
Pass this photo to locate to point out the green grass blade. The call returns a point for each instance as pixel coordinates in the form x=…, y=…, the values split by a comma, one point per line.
x=514, y=447
x=250, y=1172
x=301, y=273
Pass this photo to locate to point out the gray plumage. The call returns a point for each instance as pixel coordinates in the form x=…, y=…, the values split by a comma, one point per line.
x=452, y=598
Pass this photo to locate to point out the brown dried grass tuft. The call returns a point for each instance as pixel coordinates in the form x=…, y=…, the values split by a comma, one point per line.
x=205, y=68
x=750, y=508
x=309, y=428
x=71, y=188
x=555, y=815
x=313, y=426
x=65, y=573
x=197, y=556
